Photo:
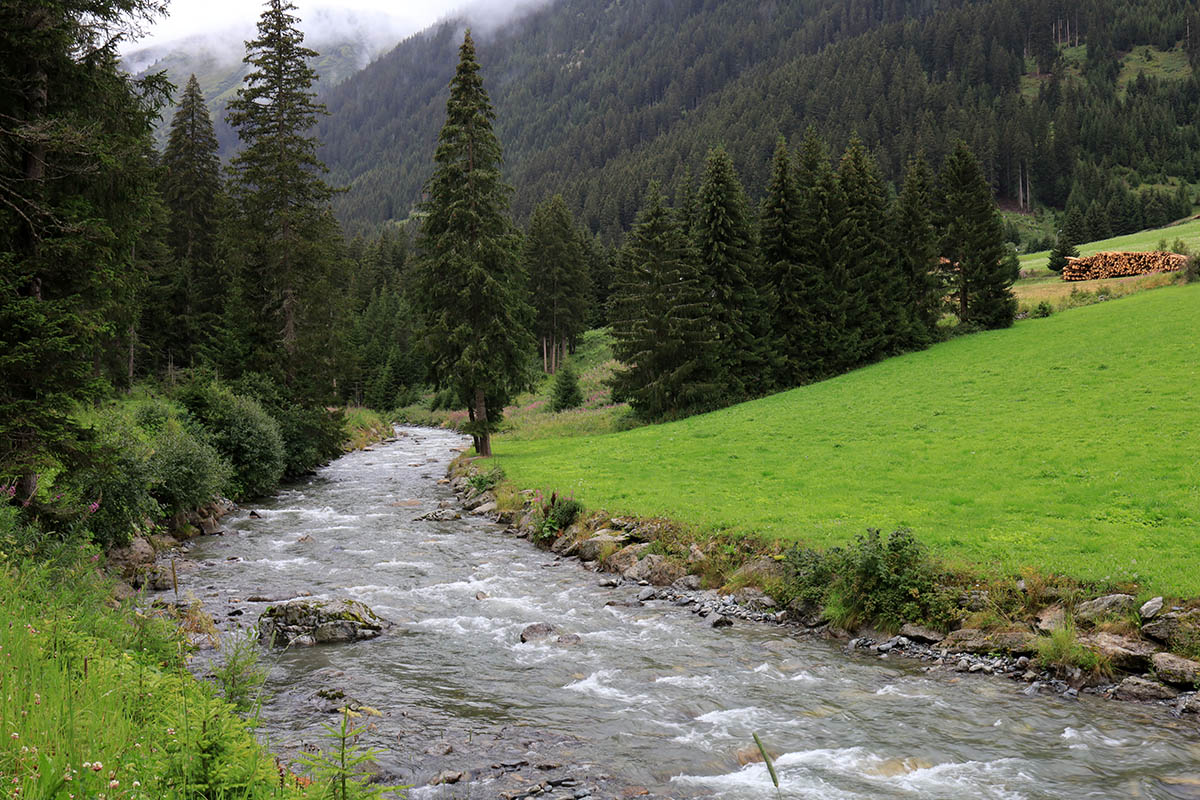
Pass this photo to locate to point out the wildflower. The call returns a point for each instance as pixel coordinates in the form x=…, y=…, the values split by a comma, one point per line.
x=67, y=776
x=87, y=765
x=114, y=783
x=97, y=766
x=94, y=507
x=136, y=784
x=16, y=735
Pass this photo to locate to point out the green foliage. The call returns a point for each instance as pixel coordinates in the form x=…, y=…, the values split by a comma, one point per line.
x=554, y=260
x=242, y=432
x=483, y=481
x=1063, y=650
x=875, y=581
x=240, y=675
x=312, y=435
x=566, y=393
x=556, y=514
x=112, y=489
x=187, y=472
x=343, y=772
x=1071, y=234
x=1042, y=310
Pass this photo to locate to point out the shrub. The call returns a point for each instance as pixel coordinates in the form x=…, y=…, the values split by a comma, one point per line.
x=566, y=392
x=483, y=481
x=243, y=433
x=1061, y=650
x=557, y=514
x=312, y=436
x=187, y=472
x=1042, y=309
x=110, y=489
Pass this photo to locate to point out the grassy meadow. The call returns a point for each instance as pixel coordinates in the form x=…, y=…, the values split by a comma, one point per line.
x=1186, y=232
x=1069, y=444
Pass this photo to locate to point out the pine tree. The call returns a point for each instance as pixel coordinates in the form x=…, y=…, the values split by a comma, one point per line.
x=192, y=191
x=566, y=393
x=740, y=307
x=973, y=244
x=285, y=235
x=1069, y=236
x=554, y=261
x=468, y=283
x=659, y=313
x=917, y=253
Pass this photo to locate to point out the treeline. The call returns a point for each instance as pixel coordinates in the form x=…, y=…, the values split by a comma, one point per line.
x=594, y=99
x=713, y=303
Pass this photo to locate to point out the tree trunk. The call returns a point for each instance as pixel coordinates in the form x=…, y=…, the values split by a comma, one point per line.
x=483, y=444
x=474, y=436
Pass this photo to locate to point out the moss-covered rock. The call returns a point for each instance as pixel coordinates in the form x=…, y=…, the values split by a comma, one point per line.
x=309, y=622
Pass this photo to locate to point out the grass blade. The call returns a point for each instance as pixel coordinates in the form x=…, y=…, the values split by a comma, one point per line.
x=762, y=748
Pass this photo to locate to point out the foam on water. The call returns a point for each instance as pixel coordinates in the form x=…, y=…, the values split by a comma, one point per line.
x=594, y=684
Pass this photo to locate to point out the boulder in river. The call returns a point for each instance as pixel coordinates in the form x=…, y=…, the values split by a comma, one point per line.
x=1123, y=652
x=1177, y=670
x=308, y=622
x=536, y=632
x=1135, y=688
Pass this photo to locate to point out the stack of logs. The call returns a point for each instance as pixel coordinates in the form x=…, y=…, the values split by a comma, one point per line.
x=1121, y=265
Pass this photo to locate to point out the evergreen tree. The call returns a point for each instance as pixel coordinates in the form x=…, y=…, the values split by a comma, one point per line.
x=468, y=283
x=917, y=252
x=973, y=244
x=1070, y=235
x=733, y=277
x=660, y=320
x=192, y=192
x=565, y=393
x=285, y=236
x=554, y=261
x=779, y=241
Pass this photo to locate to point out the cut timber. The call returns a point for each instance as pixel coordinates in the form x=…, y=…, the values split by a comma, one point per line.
x=1121, y=265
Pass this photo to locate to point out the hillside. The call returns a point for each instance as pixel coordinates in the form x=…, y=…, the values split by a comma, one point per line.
x=1068, y=444
x=593, y=100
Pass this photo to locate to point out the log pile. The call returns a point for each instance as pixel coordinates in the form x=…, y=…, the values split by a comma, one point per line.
x=1121, y=265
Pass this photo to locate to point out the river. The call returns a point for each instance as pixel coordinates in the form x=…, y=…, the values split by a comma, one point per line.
x=650, y=697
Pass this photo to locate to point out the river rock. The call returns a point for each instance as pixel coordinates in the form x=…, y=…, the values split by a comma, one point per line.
x=720, y=621
x=1150, y=608
x=807, y=614
x=760, y=570
x=446, y=776
x=688, y=583
x=132, y=561
x=1174, y=627
x=591, y=549
x=1176, y=670
x=753, y=599
x=972, y=640
x=1189, y=704
x=623, y=559
x=486, y=508
x=1135, y=688
x=536, y=632
x=921, y=634
x=1051, y=618
x=304, y=622
x=478, y=500
x=1111, y=605
x=1123, y=652
x=655, y=569
x=568, y=639
x=440, y=515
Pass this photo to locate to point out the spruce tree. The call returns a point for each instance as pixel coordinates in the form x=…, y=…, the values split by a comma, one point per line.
x=973, y=244
x=781, y=246
x=191, y=188
x=285, y=237
x=917, y=253
x=660, y=320
x=565, y=393
x=1070, y=235
x=554, y=260
x=733, y=277
x=468, y=284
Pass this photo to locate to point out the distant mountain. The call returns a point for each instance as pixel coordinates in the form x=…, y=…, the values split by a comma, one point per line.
x=1063, y=101
x=347, y=40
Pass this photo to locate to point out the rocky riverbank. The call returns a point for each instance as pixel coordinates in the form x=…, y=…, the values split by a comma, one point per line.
x=1132, y=665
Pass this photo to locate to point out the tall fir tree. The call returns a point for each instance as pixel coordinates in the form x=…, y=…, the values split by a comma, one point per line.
x=1070, y=235
x=285, y=236
x=660, y=320
x=917, y=253
x=468, y=283
x=740, y=305
x=554, y=259
x=782, y=247
x=192, y=192
x=981, y=275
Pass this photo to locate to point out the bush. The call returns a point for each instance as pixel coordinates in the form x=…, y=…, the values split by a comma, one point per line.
x=312, y=436
x=243, y=433
x=187, y=472
x=882, y=581
x=1042, y=309
x=110, y=490
x=557, y=514
x=566, y=392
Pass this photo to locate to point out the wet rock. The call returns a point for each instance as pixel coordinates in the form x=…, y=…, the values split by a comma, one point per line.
x=486, y=508
x=482, y=595
x=561, y=544
x=1135, y=688
x=1150, y=608
x=1051, y=619
x=649, y=593
x=972, y=640
x=440, y=515
x=568, y=639
x=1174, y=627
x=439, y=749
x=1123, y=652
x=1189, y=704
x=921, y=634
x=1111, y=605
x=1176, y=670
x=506, y=517
x=623, y=559
x=807, y=614
x=479, y=500
x=720, y=621
x=688, y=583
x=609, y=583
x=446, y=776
x=536, y=632
x=604, y=541
x=753, y=599
x=303, y=622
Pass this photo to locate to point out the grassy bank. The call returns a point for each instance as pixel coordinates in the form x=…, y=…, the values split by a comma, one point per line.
x=1065, y=444
x=1188, y=233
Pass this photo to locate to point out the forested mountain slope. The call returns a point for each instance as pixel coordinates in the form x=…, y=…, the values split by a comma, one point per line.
x=593, y=100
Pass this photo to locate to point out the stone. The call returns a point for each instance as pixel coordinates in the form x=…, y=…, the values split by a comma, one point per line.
x=688, y=583
x=649, y=593
x=1190, y=705
x=536, y=632
x=303, y=622
x=640, y=570
x=665, y=572
x=753, y=599
x=921, y=634
x=1150, y=608
x=568, y=639
x=482, y=595
x=1051, y=619
x=486, y=508
x=623, y=559
x=807, y=614
x=1135, y=688
x=440, y=515
x=1110, y=605
x=720, y=621
x=592, y=548
x=695, y=554
x=446, y=776
x=478, y=500
x=1176, y=670
x=760, y=571
x=973, y=640
x=1175, y=627
x=133, y=560
x=1123, y=652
